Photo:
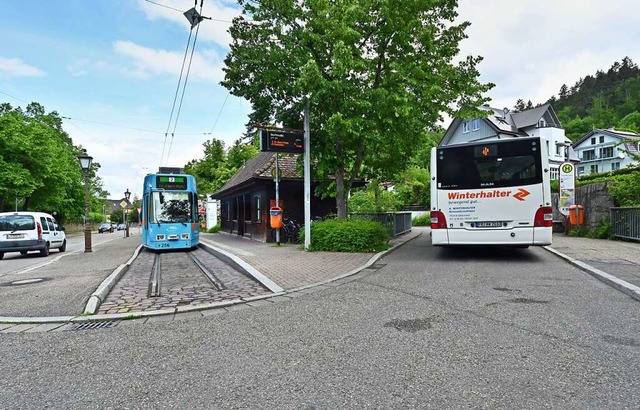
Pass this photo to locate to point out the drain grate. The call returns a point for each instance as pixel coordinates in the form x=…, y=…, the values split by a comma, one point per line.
x=92, y=325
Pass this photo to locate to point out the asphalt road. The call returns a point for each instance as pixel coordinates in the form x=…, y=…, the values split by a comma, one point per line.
x=70, y=287
x=424, y=328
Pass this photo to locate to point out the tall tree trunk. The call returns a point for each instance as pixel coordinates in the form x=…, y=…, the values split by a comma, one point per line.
x=341, y=194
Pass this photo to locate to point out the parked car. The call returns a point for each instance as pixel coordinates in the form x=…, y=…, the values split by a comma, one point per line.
x=122, y=227
x=30, y=231
x=105, y=228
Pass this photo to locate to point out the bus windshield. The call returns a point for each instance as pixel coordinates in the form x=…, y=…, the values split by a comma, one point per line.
x=171, y=207
x=494, y=164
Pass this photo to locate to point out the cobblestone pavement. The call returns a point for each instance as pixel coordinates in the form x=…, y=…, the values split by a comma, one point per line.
x=182, y=284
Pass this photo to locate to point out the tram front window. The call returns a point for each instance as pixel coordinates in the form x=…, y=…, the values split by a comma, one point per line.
x=171, y=207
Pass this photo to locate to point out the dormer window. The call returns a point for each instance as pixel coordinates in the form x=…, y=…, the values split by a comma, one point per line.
x=476, y=124
x=465, y=127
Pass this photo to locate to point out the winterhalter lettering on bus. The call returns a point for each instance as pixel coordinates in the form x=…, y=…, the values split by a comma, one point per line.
x=495, y=192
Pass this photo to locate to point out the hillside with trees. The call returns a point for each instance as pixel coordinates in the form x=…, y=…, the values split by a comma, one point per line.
x=606, y=99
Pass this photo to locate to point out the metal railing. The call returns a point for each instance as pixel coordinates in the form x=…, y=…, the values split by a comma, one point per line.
x=396, y=223
x=626, y=222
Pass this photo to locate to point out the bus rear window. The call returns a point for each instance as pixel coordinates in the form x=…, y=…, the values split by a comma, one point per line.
x=496, y=164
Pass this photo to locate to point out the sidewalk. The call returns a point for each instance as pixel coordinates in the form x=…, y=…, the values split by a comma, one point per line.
x=616, y=263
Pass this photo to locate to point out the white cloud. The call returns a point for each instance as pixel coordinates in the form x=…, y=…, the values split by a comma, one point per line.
x=205, y=65
x=16, y=68
x=531, y=49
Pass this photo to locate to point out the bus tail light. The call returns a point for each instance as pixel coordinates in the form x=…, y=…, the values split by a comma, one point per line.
x=438, y=221
x=544, y=217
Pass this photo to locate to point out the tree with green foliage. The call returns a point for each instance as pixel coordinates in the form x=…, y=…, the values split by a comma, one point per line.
x=218, y=165
x=38, y=163
x=376, y=73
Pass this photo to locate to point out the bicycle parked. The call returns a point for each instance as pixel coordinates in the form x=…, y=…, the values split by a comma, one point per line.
x=289, y=232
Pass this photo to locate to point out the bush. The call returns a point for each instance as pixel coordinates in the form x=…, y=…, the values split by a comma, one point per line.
x=604, y=230
x=356, y=235
x=214, y=229
x=422, y=220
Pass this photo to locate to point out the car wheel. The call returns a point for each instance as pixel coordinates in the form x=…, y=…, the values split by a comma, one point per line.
x=45, y=251
x=23, y=252
x=63, y=247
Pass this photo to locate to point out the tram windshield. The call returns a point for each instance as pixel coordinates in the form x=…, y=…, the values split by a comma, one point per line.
x=171, y=207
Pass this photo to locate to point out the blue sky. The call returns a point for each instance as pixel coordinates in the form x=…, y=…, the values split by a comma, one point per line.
x=111, y=67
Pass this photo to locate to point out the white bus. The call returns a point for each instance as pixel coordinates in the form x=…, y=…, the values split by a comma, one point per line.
x=494, y=192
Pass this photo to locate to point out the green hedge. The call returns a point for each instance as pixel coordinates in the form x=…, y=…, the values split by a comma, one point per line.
x=356, y=235
x=214, y=229
x=422, y=220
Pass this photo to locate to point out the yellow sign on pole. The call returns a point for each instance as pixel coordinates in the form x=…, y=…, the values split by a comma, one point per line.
x=123, y=204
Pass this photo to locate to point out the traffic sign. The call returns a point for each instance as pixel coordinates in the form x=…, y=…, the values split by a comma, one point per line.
x=123, y=204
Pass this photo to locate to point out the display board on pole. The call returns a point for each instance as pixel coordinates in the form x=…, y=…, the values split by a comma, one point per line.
x=567, y=187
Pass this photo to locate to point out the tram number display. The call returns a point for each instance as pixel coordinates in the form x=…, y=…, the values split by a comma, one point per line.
x=171, y=182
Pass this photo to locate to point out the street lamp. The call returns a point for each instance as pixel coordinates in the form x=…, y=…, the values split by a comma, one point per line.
x=85, y=164
x=127, y=194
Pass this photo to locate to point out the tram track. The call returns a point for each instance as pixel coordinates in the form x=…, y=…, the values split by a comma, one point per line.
x=172, y=279
x=155, y=279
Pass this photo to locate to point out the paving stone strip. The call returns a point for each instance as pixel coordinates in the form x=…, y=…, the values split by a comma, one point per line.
x=182, y=284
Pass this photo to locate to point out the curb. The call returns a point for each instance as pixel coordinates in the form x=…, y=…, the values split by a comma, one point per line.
x=618, y=284
x=105, y=287
x=241, y=265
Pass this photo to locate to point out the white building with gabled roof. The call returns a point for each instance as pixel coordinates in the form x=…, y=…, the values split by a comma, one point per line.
x=502, y=123
x=604, y=150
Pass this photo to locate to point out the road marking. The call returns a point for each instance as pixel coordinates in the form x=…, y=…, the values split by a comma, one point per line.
x=57, y=258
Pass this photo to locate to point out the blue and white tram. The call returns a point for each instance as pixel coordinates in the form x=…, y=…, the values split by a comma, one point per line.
x=170, y=212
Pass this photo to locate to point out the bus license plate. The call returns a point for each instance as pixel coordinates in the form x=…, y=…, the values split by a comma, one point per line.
x=15, y=236
x=489, y=224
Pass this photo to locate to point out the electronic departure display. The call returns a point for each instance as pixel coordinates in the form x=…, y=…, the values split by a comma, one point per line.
x=170, y=182
x=280, y=141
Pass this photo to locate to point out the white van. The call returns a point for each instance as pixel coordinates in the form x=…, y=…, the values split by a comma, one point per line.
x=30, y=231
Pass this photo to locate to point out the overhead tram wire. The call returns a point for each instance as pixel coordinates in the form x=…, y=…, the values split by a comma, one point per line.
x=184, y=59
x=186, y=79
x=193, y=24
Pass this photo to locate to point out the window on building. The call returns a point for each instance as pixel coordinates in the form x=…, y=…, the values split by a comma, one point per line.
x=465, y=127
x=257, y=209
x=594, y=169
x=558, y=150
x=476, y=124
x=554, y=174
x=615, y=166
x=542, y=123
x=601, y=139
x=580, y=170
x=589, y=155
x=593, y=141
x=606, y=152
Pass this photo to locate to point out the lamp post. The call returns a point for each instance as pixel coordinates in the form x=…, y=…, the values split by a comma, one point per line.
x=85, y=164
x=127, y=194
